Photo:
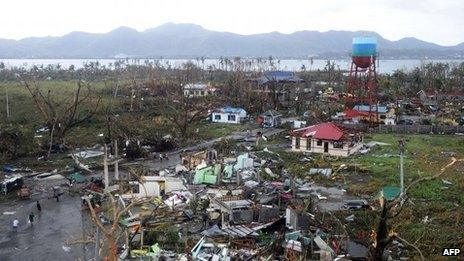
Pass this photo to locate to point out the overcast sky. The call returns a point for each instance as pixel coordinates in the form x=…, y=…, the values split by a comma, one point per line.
x=439, y=21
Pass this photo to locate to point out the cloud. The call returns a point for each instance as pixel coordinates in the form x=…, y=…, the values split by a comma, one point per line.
x=432, y=20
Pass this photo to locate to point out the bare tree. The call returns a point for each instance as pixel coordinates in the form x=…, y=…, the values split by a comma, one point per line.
x=113, y=232
x=181, y=110
x=184, y=111
x=62, y=116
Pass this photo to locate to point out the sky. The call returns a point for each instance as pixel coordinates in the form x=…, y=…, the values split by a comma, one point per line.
x=438, y=21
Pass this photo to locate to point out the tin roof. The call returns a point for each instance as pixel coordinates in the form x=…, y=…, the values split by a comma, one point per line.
x=231, y=110
x=323, y=131
x=279, y=76
x=373, y=108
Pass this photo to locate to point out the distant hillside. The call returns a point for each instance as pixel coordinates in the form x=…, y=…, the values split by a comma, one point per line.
x=189, y=40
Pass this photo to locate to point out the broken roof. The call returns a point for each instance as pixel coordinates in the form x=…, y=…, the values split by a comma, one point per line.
x=239, y=231
x=349, y=113
x=373, y=108
x=323, y=131
x=238, y=203
x=232, y=110
x=197, y=86
x=279, y=76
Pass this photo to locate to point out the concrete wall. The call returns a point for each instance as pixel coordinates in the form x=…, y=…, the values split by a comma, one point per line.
x=151, y=189
x=224, y=118
x=411, y=129
x=198, y=93
x=314, y=148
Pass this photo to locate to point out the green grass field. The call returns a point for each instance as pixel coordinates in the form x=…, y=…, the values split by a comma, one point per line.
x=439, y=204
x=434, y=216
x=146, y=123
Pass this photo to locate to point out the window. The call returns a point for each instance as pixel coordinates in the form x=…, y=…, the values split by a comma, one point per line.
x=297, y=142
x=135, y=188
x=319, y=142
x=338, y=145
x=217, y=117
x=231, y=117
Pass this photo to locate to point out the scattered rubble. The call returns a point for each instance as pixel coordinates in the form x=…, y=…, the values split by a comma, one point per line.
x=237, y=205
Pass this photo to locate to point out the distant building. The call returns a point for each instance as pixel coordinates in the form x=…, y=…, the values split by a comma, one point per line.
x=326, y=138
x=455, y=96
x=229, y=115
x=366, y=113
x=198, y=90
x=431, y=98
x=279, y=86
x=279, y=77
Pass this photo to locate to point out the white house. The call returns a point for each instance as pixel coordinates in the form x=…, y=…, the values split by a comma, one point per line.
x=153, y=186
x=228, y=115
x=198, y=90
x=326, y=138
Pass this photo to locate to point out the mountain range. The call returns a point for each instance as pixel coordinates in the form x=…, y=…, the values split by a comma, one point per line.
x=189, y=41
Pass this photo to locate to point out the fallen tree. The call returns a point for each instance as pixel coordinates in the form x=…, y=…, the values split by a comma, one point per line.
x=389, y=210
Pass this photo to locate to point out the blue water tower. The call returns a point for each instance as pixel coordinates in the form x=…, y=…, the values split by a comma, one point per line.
x=364, y=51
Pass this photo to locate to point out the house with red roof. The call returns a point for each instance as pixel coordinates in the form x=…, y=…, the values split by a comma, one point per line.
x=326, y=138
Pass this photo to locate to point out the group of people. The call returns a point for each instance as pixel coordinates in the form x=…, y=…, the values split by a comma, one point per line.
x=30, y=217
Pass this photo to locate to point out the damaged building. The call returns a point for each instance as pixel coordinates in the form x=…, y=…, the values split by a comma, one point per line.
x=326, y=138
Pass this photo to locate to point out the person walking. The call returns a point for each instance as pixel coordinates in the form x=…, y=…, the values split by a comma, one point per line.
x=56, y=194
x=31, y=218
x=39, y=207
x=15, y=224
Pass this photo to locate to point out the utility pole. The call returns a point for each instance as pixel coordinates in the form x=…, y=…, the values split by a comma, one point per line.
x=116, y=163
x=105, y=167
x=401, y=149
x=7, y=103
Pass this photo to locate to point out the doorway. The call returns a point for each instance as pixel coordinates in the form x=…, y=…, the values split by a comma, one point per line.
x=326, y=147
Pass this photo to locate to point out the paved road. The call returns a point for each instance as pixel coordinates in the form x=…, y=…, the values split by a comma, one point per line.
x=58, y=222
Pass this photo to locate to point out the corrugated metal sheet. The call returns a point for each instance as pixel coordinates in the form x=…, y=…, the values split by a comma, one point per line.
x=240, y=231
x=373, y=108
